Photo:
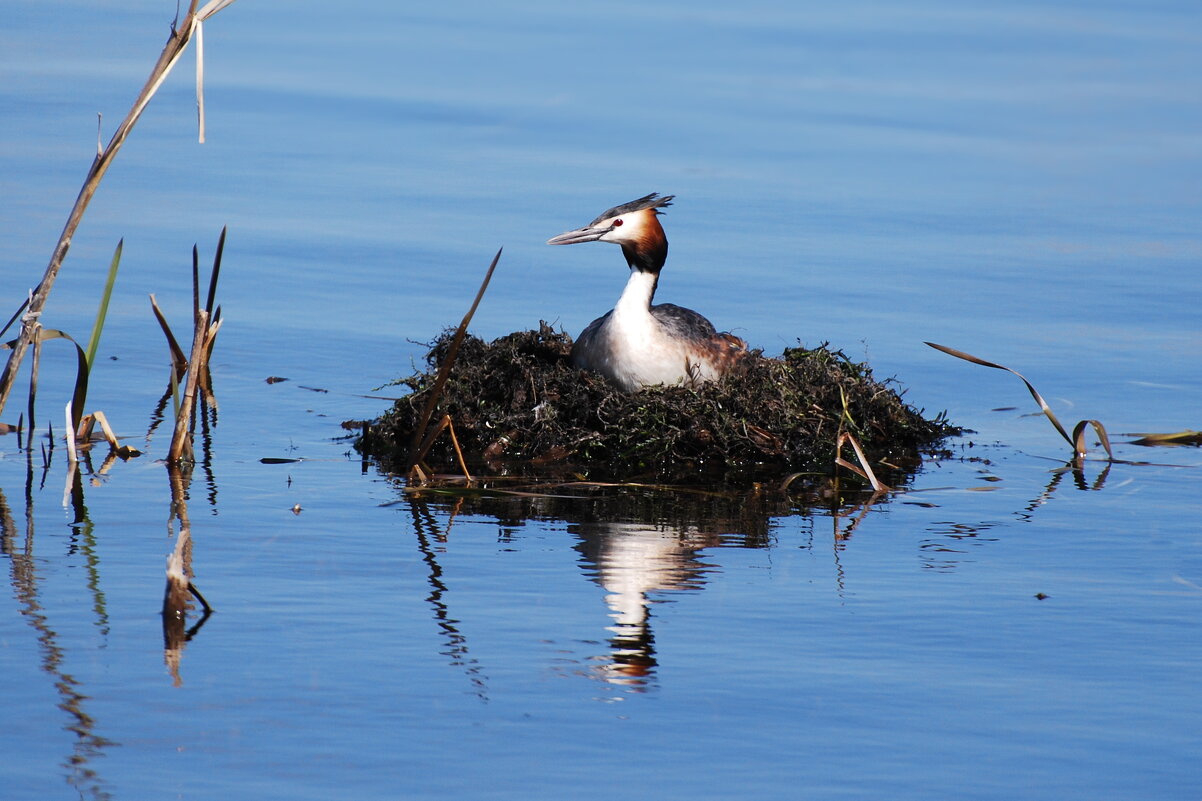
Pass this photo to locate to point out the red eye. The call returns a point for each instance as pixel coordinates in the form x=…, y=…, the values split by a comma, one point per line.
x=617, y=223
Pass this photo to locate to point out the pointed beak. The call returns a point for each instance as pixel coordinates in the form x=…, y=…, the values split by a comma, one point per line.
x=586, y=234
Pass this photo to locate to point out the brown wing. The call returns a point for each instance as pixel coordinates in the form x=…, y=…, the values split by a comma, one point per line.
x=721, y=351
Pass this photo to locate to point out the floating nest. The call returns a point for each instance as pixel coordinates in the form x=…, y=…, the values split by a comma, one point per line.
x=518, y=405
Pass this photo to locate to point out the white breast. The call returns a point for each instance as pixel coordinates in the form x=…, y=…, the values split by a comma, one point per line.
x=629, y=347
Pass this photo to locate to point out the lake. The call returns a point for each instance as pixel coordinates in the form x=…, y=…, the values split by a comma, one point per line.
x=1020, y=181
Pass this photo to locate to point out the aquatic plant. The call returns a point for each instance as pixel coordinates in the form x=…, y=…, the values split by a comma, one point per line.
x=191, y=371
x=102, y=311
x=79, y=426
x=181, y=34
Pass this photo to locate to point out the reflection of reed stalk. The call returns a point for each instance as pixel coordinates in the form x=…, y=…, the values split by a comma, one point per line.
x=177, y=43
x=24, y=576
x=178, y=595
x=426, y=530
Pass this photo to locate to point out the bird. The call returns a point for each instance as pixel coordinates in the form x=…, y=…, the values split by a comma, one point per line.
x=636, y=344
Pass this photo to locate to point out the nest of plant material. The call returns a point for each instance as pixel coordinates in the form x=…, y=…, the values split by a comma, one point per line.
x=518, y=404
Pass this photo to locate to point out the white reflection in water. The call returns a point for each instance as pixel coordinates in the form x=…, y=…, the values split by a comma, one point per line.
x=633, y=562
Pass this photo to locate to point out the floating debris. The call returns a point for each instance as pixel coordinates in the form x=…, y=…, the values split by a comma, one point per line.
x=1188, y=437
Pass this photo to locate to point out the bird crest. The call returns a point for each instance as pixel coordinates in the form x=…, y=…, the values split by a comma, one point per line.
x=651, y=201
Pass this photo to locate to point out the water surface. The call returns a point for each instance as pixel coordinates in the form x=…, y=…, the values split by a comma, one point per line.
x=1016, y=180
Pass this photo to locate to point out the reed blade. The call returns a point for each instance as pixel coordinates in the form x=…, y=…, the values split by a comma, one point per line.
x=106, y=296
x=216, y=271
x=178, y=359
x=80, y=395
x=16, y=315
x=1079, y=444
x=1047, y=410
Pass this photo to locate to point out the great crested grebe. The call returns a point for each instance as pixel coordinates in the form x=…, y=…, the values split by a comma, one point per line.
x=636, y=344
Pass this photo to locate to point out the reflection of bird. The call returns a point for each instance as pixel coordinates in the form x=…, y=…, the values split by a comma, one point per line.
x=634, y=561
x=637, y=344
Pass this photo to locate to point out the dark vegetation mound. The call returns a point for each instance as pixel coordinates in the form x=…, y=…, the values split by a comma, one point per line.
x=517, y=404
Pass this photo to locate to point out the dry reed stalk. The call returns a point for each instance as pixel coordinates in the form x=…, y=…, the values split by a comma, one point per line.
x=449, y=426
x=72, y=453
x=865, y=473
x=72, y=460
x=98, y=418
x=204, y=338
x=35, y=334
x=181, y=440
x=416, y=451
x=176, y=44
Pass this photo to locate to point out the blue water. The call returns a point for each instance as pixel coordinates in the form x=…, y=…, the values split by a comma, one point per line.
x=1020, y=181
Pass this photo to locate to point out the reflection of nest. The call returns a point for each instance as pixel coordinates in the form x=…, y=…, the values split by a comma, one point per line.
x=517, y=402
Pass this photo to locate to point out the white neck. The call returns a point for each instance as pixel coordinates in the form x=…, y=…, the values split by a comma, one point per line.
x=636, y=297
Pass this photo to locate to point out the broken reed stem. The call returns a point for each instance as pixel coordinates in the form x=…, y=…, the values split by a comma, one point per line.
x=116, y=449
x=444, y=424
x=72, y=453
x=177, y=42
x=415, y=452
x=181, y=440
x=865, y=473
x=458, y=453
